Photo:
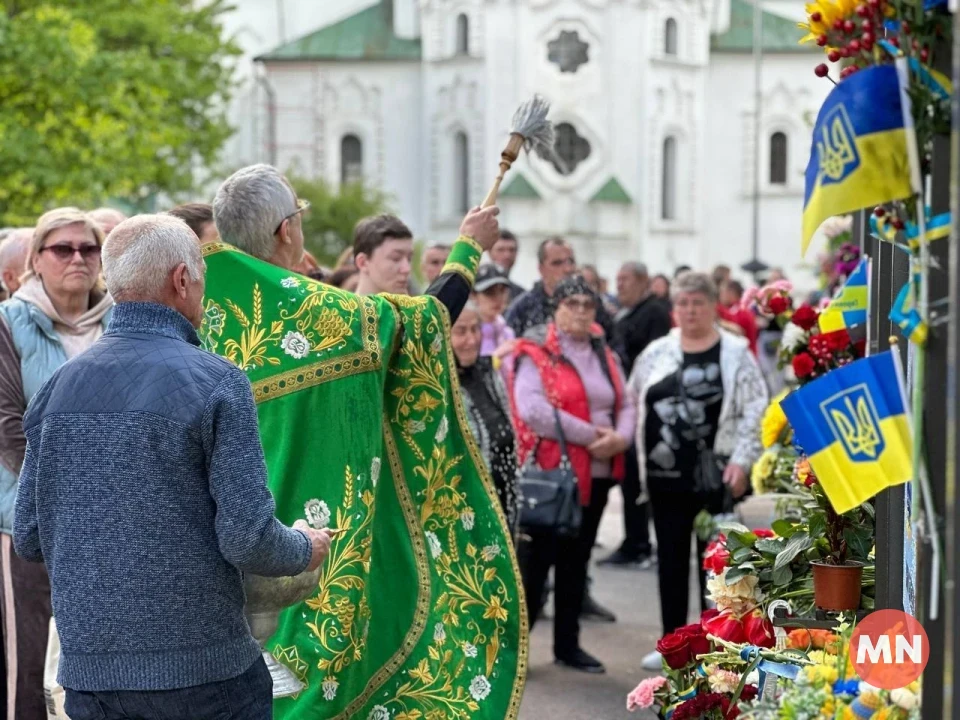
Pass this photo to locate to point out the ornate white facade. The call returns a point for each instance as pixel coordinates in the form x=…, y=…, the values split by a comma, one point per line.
x=654, y=100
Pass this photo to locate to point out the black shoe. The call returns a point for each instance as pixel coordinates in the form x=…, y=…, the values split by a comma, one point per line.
x=581, y=660
x=621, y=559
x=592, y=610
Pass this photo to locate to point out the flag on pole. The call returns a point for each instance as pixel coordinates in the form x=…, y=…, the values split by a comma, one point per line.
x=859, y=153
x=849, y=306
x=854, y=427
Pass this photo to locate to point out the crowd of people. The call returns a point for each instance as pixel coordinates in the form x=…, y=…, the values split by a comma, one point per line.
x=630, y=388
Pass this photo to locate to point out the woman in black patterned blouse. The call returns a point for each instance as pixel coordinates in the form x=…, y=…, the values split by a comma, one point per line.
x=488, y=409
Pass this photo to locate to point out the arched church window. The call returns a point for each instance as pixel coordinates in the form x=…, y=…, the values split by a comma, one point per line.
x=778, y=159
x=463, y=34
x=668, y=204
x=461, y=172
x=571, y=149
x=568, y=52
x=670, y=37
x=351, y=160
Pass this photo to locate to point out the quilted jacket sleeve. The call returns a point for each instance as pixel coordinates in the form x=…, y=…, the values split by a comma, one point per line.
x=249, y=535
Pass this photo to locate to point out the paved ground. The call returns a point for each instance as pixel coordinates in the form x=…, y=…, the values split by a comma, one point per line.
x=558, y=694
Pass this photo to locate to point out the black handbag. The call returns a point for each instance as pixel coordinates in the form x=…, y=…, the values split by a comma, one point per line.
x=708, y=482
x=550, y=499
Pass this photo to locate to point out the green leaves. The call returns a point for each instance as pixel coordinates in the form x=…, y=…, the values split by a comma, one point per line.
x=109, y=99
x=797, y=543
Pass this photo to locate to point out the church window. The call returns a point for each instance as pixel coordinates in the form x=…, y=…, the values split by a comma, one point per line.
x=571, y=149
x=568, y=52
x=461, y=169
x=463, y=34
x=670, y=37
x=778, y=159
x=668, y=207
x=351, y=160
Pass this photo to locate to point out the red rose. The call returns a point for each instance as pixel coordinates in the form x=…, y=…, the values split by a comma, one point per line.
x=748, y=693
x=860, y=348
x=803, y=365
x=699, y=644
x=706, y=616
x=715, y=557
x=778, y=304
x=764, y=533
x=726, y=627
x=675, y=649
x=758, y=629
x=838, y=340
x=805, y=317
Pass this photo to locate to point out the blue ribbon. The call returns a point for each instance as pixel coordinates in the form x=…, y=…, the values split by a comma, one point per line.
x=784, y=670
x=846, y=687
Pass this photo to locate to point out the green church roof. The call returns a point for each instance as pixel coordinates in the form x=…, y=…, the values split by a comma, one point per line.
x=779, y=33
x=612, y=192
x=366, y=35
x=520, y=188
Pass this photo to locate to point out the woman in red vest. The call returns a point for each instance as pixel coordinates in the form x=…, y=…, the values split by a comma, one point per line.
x=567, y=366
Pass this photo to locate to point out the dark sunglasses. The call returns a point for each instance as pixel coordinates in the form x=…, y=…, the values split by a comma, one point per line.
x=65, y=253
x=575, y=304
x=301, y=206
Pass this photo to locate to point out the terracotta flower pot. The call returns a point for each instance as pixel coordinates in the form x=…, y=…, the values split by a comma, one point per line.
x=837, y=587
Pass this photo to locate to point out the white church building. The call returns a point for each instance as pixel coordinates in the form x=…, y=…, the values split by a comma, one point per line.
x=653, y=102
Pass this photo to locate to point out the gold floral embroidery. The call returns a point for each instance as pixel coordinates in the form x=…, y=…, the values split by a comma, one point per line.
x=321, y=324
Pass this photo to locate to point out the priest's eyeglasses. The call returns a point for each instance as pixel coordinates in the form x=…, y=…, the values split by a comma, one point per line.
x=301, y=206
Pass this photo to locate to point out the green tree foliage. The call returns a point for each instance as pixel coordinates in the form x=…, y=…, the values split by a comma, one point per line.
x=108, y=98
x=328, y=225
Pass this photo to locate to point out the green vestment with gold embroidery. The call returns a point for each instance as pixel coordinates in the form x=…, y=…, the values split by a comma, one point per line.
x=419, y=613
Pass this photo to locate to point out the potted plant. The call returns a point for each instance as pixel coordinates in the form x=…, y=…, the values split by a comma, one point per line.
x=839, y=545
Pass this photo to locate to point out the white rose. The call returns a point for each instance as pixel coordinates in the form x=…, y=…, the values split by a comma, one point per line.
x=318, y=514
x=470, y=650
x=903, y=698
x=480, y=688
x=295, y=345
x=793, y=335
x=490, y=552
x=290, y=282
x=467, y=519
x=379, y=712
x=330, y=689
x=435, y=547
x=439, y=634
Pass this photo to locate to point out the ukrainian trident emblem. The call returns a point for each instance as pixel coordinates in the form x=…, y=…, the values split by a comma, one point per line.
x=853, y=419
x=836, y=147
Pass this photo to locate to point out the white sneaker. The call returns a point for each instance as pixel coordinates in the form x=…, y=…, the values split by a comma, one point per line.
x=652, y=661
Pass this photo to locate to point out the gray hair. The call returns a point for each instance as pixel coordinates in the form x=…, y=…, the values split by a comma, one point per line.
x=694, y=282
x=249, y=207
x=140, y=253
x=637, y=268
x=14, y=248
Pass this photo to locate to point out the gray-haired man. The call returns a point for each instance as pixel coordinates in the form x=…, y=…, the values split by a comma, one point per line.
x=144, y=491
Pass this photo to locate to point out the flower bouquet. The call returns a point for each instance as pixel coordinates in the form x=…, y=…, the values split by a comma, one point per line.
x=691, y=689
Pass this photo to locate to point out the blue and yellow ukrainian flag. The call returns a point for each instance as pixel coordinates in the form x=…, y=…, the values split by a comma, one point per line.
x=853, y=425
x=859, y=154
x=849, y=307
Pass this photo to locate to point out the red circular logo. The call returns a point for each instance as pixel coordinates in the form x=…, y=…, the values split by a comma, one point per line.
x=889, y=649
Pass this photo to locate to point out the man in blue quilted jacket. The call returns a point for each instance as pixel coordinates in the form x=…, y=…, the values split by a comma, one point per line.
x=144, y=491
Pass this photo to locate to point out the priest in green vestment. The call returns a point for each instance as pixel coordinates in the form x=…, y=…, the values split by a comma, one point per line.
x=419, y=611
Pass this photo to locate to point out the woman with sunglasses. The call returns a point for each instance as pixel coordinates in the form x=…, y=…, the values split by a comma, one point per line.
x=59, y=311
x=567, y=367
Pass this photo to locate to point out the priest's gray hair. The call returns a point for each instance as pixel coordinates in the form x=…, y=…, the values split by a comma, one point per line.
x=140, y=253
x=694, y=282
x=249, y=207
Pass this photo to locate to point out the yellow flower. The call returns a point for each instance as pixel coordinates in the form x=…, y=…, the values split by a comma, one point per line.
x=774, y=422
x=830, y=11
x=762, y=470
x=821, y=674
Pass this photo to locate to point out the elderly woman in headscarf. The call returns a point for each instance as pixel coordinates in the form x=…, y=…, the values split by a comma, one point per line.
x=566, y=370
x=59, y=311
x=488, y=409
x=698, y=391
